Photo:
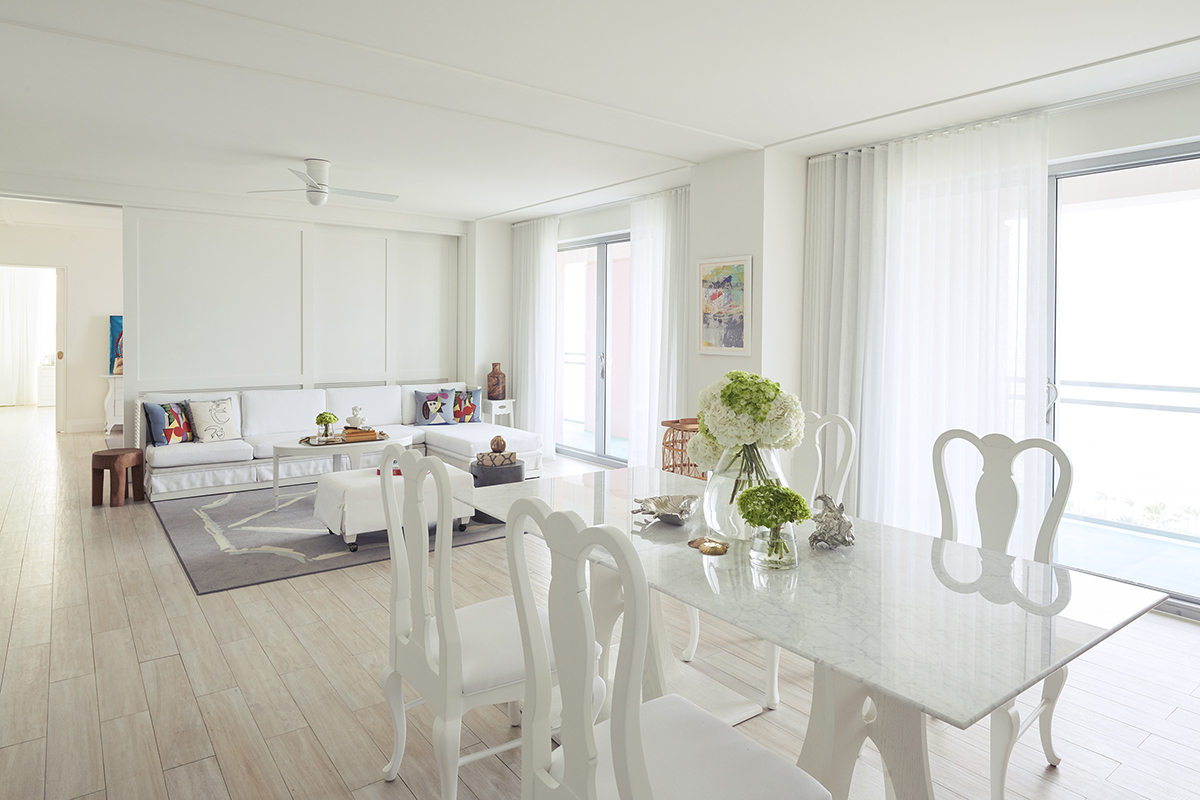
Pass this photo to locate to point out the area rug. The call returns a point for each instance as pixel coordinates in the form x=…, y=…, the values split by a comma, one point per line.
x=229, y=540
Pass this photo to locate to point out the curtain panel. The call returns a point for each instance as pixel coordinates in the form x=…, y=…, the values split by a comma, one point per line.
x=658, y=318
x=19, y=322
x=532, y=376
x=926, y=308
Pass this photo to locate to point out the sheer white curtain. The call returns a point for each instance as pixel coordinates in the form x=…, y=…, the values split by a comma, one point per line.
x=658, y=318
x=20, y=301
x=955, y=333
x=531, y=377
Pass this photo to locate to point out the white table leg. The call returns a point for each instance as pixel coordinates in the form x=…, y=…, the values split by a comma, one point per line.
x=275, y=481
x=354, y=456
x=845, y=714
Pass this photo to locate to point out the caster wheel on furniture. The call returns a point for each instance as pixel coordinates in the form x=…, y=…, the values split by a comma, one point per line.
x=354, y=547
x=462, y=526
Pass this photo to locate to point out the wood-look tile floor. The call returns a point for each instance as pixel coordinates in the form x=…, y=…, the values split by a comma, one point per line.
x=117, y=681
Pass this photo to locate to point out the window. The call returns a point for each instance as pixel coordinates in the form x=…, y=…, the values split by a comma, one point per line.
x=592, y=391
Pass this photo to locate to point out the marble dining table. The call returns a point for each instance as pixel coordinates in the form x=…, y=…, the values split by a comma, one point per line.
x=901, y=626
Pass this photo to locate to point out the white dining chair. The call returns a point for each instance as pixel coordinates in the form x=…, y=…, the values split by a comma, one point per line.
x=808, y=466
x=456, y=660
x=996, y=503
x=663, y=749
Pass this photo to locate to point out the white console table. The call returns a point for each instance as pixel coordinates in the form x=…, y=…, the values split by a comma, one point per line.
x=498, y=408
x=114, y=403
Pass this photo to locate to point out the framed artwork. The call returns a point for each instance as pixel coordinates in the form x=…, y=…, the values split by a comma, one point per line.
x=116, y=346
x=725, y=306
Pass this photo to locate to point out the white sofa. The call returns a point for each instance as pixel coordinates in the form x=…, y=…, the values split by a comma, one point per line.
x=268, y=416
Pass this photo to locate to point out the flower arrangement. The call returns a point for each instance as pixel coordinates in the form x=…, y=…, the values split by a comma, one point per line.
x=745, y=412
x=770, y=506
x=326, y=419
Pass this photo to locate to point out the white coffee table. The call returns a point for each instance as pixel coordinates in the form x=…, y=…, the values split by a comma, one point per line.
x=352, y=450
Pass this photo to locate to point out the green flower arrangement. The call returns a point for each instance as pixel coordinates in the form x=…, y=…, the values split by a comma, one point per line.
x=770, y=506
x=326, y=418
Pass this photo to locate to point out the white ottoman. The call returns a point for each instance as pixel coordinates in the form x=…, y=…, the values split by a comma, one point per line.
x=350, y=502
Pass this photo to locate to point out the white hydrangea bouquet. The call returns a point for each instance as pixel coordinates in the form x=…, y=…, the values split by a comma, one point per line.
x=744, y=419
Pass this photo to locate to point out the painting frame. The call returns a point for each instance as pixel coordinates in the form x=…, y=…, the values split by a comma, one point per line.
x=719, y=331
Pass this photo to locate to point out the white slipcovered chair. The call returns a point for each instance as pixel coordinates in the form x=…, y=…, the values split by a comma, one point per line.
x=808, y=466
x=996, y=503
x=666, y=748
x=456, y=660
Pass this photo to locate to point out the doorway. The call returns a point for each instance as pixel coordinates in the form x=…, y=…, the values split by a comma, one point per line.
x=32, y=329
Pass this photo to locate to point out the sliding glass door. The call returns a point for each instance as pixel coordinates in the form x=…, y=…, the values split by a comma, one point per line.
x=1127, y=371
x=592, y=391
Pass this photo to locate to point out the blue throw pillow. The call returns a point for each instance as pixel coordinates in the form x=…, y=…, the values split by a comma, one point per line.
x=435, y=408
x=168, y=423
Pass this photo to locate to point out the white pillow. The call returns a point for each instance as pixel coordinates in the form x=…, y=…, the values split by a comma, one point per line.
x=213, y=420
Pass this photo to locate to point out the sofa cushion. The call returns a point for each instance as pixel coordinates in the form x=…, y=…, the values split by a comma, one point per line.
x=434, y=408
x=281, y=411
x=468, y=440
x=168, y=423
x=403, y=431
x=467, y=404
x=212, y=420
x=264, y=443
x=409, y=398
x=183, y=397
x=190, y=454
x=381, y=405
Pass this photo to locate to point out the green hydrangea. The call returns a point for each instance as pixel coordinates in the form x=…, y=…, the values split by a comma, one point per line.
x=769, y=506
x=749, y=394
x=326, y=418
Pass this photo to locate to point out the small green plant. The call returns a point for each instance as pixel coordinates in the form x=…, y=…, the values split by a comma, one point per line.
x=769, y=506
x=326, y=418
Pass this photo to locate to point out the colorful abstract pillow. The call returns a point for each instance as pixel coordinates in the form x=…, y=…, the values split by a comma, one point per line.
x=212, y=420
x=435, y=408
x=168, y=423
x=466, y=405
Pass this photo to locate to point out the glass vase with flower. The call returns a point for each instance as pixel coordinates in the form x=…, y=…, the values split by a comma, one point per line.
x=772, y=510
x=745, y=420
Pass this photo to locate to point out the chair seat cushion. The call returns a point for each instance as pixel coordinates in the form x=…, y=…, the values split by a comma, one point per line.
x=692, y=754
x=189, y=454
x=492, y=653
x=351, y=501
x=467, y=439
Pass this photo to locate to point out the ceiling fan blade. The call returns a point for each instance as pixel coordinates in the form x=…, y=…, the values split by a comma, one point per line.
x=268, y=191
x=386, y=198
x=304, y=177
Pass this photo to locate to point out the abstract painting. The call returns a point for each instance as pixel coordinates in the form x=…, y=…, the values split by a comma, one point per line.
x=116, y=346
x=724, y=306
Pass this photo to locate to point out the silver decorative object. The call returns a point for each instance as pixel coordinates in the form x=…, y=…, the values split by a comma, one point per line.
x=673, y=509
x=834, y=528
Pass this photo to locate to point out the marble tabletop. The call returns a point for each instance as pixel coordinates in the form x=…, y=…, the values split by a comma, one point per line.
x=950, y=629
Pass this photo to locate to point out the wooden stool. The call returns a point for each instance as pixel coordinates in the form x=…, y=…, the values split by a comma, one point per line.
x=117, y=462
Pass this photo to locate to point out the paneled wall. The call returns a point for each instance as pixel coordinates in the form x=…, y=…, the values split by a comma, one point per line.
x=226, y=302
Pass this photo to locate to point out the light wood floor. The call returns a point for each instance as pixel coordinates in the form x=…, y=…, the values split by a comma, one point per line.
x=118, y=679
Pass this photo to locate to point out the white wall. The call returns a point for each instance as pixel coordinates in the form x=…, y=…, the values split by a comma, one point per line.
x=227, y=302
x=486, y=305
x=594, y=222
x=726, y=220
x=92, y=258
x=784, y=193
x=1166, y=117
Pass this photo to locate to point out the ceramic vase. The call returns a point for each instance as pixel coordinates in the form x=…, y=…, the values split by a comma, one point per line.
x=495, y=383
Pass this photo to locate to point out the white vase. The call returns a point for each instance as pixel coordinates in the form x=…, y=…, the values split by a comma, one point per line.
x=739, y=468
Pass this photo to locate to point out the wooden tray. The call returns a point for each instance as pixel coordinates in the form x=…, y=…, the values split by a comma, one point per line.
x=308, y=440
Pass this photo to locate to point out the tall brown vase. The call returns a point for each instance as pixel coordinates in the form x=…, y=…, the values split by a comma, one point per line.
x=495, y=382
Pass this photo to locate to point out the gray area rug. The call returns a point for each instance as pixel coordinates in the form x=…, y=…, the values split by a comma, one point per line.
x=229, y=540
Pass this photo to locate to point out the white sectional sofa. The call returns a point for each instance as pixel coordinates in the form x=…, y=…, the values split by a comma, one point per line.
x=268, y=416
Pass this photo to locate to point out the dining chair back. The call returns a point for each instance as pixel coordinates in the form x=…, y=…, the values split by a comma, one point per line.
x=456, y=660
x=997, y=501
x=809, y=459
x=659, y=750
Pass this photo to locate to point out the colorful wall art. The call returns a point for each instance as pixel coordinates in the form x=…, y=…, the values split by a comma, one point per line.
x=725, y=306
x=116, y=346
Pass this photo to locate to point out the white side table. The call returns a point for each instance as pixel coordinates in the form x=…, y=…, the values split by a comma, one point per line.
x=497, y=408
x=114, y=403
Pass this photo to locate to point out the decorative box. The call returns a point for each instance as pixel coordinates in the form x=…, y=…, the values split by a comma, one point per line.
x=505, y=459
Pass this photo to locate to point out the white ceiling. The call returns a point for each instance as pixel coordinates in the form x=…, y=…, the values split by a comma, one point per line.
x=474, y=109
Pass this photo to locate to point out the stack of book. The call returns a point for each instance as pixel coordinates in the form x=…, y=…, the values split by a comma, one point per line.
x=359, y=435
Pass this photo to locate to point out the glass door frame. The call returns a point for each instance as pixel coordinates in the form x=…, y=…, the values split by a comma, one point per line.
x=1188, y=151
x=602, y=333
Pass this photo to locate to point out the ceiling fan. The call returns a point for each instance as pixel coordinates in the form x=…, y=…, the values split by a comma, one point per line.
x=316, y=185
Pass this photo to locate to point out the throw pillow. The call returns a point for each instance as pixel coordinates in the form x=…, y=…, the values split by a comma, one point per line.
x=435, y=408
x=212, y=420
x=169, y=423
x=466, y=405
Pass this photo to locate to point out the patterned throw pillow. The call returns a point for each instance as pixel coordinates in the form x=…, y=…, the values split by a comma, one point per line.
x=168, y=423
x=466, y=405
x=435, y=408
x=212, y=420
